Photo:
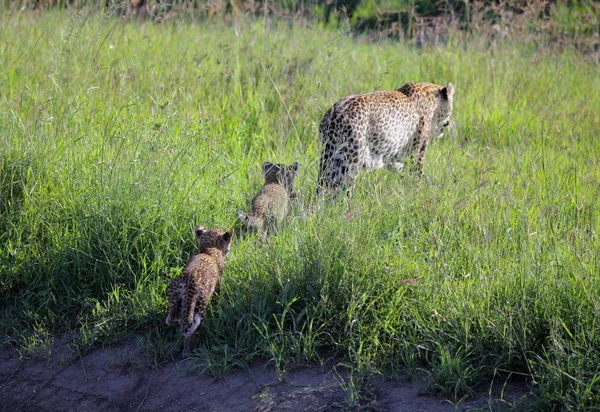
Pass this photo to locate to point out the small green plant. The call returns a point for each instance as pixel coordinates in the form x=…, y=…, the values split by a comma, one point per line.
x=160, y=345
x=451, y=374
x=36, y=343
x=266, y=399
x=359, y=382
x=216, y=360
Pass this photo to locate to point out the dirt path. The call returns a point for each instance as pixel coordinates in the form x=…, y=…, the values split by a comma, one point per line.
x=105, y=381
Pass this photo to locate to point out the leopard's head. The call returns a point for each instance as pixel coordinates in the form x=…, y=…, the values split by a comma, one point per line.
x=281, y=174
x=213, y=239
x=441, y=120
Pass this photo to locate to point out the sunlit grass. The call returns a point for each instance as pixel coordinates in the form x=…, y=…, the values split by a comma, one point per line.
x=117, y=138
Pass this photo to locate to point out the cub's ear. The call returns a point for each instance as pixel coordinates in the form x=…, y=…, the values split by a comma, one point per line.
x=294, y=167
x=266, y=166
x=199, y=230
x=228, y=235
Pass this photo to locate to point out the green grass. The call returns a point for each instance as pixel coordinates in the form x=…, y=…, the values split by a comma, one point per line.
x=117, y=138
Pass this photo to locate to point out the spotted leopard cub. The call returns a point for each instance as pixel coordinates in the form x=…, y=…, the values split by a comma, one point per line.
x=189, y=293
x=271, y=204
x=381, y=129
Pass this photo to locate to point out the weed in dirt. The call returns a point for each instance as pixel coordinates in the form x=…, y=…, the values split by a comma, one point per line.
x=160, y=345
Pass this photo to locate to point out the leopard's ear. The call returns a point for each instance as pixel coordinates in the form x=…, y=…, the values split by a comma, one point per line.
x=266, y=166
x=294, y=167
x=227, y=236
x=199, y=231
x=447, y=91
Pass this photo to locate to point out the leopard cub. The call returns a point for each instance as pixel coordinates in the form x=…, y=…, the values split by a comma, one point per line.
x=271, y=204
x=189, y=293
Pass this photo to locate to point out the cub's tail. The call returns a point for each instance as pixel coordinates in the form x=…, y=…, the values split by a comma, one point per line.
x=252, y=222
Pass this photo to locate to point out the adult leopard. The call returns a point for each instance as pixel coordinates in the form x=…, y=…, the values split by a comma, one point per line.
x=380, y=129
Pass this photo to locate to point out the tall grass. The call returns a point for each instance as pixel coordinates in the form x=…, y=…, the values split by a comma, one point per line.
x=117, y=138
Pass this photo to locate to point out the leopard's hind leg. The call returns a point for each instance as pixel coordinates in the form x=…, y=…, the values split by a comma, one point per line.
x=193, y=313
x=189, y=340
x=174, y=301
x=420, y=143
x=340, y=168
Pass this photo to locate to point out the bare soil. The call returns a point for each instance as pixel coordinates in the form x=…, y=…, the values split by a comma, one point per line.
x=106, y=380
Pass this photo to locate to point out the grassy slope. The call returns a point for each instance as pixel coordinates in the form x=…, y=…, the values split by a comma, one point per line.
x=116, y=139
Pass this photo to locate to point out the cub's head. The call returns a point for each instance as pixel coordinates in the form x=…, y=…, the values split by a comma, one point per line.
x=441, y=119
x=213, y=238
x=280, y=173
